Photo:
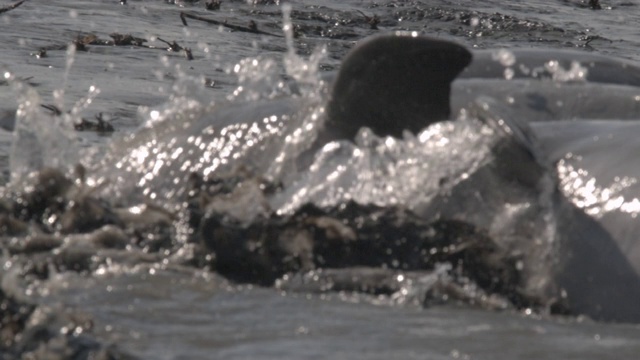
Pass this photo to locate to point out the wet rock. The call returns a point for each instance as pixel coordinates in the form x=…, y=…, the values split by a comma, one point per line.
x=257, y=253
x=74, y=258
x=144, y=216
x=28, y=331
x=110, y=237
x=56, y=203
x=43, y=192
x=354, y=236
x=232, y=230
x=149, y=227
x=10, y=226
x=35, y=244
x=444, y=291
x=375, y=281
x=424, y=288
x=86, y=214
x=13, y=318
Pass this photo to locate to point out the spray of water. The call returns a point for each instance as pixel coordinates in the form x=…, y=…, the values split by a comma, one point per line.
x=41, y=140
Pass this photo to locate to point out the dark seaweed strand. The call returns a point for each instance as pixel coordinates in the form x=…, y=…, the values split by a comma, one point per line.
x=250, y=29
x=11, y=7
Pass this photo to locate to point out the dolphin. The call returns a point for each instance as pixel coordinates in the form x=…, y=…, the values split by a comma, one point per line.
x=404, y=82
x=597, y=257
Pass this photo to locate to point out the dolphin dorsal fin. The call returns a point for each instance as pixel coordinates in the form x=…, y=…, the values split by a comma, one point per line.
x=395, y=82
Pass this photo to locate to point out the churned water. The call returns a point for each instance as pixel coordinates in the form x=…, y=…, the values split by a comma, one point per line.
x=156, y=308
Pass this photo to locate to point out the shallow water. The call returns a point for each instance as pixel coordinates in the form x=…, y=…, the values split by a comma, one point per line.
x=174, y=314
x=139, y=311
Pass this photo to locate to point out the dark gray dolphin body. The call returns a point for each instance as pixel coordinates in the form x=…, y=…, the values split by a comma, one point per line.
x=399, y=82
x=534, y=63
x=597, y=264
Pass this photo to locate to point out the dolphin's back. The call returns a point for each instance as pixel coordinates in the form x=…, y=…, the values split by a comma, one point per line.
x=542, y=63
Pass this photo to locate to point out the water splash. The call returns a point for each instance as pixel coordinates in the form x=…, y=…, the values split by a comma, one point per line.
x=507, y=59
x=58, y=94
x=388, y=171
x=595, y=199
x=304, y=72
x=39, y=140
x=575, y=73
x=263, y=125
x=258, y=79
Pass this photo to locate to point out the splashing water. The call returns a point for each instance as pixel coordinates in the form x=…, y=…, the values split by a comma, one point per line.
x=262, y=126
x=387, y=171
x=41, y=140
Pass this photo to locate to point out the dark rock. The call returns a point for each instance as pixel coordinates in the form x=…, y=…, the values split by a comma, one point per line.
x=10, y=226
x=28, y=331
x=259, y=253
x=353, y=236
x=35, y=244
x=42, y=193
x=86, y=214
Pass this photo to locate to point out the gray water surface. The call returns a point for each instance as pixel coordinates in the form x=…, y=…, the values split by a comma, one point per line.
x=185, y=315
x=179, y=316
